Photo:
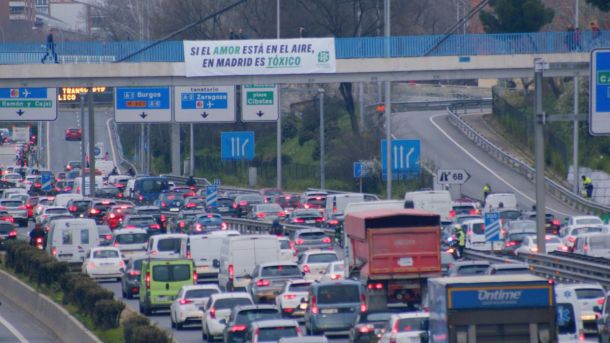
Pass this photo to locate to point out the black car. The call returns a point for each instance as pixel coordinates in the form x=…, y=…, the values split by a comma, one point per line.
x=171, y=202
x=183, y=220
x=146, y=222
x=8, y=232
x=551, y=224
x=154, y=211
x=225, y=207
x=79, y=207
x=242, y=317
x=130, y=281
x=243, y=202
x=98, y=208
x=369, y=325
x=108, y=191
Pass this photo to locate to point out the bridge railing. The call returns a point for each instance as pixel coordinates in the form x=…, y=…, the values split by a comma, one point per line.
x=353, y=47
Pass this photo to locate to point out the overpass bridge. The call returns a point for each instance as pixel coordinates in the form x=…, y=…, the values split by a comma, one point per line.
x=358, y=59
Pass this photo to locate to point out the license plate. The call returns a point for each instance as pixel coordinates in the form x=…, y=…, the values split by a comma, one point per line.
x=329, y=311
x=303, y=306
x=223, y=209
x=174, y=209
x=107, y=264
x=164, y=298
x=310, y=221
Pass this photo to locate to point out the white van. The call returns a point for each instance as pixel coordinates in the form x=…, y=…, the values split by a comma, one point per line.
x=336, y=203
x=593, y=244
x=99, y=183
x=203, y=250
x=438, y=202
x=569, y=325
x=104, y=166
x=63, y=199
x=475, y=233
x=69, y=240
x=240, y=254
x=166, y=245
x=127, y=192
x=353, y=207
x=493, y=201
x=121, y=179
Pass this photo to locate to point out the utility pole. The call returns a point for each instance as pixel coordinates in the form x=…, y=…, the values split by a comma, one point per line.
x=279, y=113
x=539, y=120
x=82, y=144
x=91, y=143
x=322, y=167
x=192, y=150
x=388, y=102
x=575, y=125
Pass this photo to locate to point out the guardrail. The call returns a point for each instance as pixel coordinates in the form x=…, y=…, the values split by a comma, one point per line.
x=405, y=106
x=119, y=146
x=250, y=226
x=557, y=190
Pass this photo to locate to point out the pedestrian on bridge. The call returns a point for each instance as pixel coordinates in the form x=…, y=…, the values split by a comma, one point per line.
x=50, y=47
x=587, y=183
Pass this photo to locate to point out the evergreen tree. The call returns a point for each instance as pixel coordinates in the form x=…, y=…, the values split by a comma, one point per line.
x=516, y=16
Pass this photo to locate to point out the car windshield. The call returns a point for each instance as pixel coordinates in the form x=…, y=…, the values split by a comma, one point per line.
x=338, y=267
x=337, y=294
x=275, y=333
x=523, y=225
x=169, y=244
x=600, y=242
x=518, y=237
x=281, y=270
x=152, y=186
x=412, y=324
x=6, y=228
x=322, y=258
x=299, y=287
x=171, y=272
x=303, y=214
x=473, y=269
x=566, y=322
x=105, y=254
x=548, y=239
x=510, y=271
x=285, y=244
x=173, y=197
x=462, y=219
x=312, y=235
x=478, y=228
x=56, y=211
x=460, y=209
x=200, y=293
x=588, y=221
x=251, y=198
x=375, y=317
x=207, y=220
x=589, y=293
x=271, y=208
x=151, y=211
x=249, y=316
x=229, y=303
x=140, y=221
x=14, y=203
x=510, y=215
x=582, y=230
x=132, y=238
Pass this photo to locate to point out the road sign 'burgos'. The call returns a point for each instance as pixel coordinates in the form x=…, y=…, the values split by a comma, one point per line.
x=259, y=103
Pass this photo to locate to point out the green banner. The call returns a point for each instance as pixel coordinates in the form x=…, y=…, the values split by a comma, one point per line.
x=26, y=103
x=259, y=98
x=603, y=77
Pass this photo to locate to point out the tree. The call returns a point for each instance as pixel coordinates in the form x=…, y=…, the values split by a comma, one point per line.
x=516, y=16
x=603, y=5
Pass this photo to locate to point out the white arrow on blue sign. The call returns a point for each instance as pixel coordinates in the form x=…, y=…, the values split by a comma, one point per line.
x=405, y=155
x=142, y=105
x=492, y=226
x=237, y=145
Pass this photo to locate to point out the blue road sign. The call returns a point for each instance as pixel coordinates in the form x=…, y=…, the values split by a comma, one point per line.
x=142, y=104
x=360, y=170
x=237, y=145
x=209, y=104
x=28, y=104
x=405, y=154
x=217, y=182
x=46, y=179
x=599, y=96
x=211, y=196
x=492, y=226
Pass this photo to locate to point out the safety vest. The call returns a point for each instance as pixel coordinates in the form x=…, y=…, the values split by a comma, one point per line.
x=587, y=181
x=462, y=238
x=486, y=188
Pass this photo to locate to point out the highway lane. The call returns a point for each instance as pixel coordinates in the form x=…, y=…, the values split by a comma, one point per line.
x=17, y=325
x=447, y=148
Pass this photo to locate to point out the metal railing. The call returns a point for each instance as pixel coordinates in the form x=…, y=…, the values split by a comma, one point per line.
x=355, y=47
x=255, y=227
x=555, y=189
x=405, y=106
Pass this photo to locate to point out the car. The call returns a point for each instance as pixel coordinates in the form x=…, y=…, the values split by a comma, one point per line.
x=589, y=296
x=333, y=271
x=108, y=192
x=314, y=200
x=12, y=177
x=79, y=207
x=242, y=317
x=131, y=242
x=74, y=134
x=407, y=328
x=552, y=225
x=268, y=279
x=269, y=193
x=171, y=202
x=243, y=202
x=104, y=262
x=217, y=311
x=370, y=325
x=130, y=280
x=30, y=203
x=465, y=268
x=154, y=211
x=569, y=234
x=508, y=269
x=475, y=233
x=225, y=207
x=183, y=220
x=137, y=221
x=105, y=235
x=50, y=210
x=8, y=232
x=46, y=222
x=204, y=223
x=309, y=217
x=6, y=217
x=272, y=330
x=98, y=209
x=529, y=245
x=313, y=263
x=461, y=218
x=593, y=244
x=306, y=239
x=73, y=165
x=287, y=250
x=194, y=202
x=185, y=191
x=334, y=306
x=114, y=216
x=161, y=281
x=185, y=309
x=513, y=241
x=290, y=299
x=16, y=209
x=266, y=212
x=288, y=202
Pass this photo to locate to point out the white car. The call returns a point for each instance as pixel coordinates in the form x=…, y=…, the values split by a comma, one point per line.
x=570, y=233
x=217, y=311
x=313, y=262
x=287, y=251
x=406, y=327
x=186, y=309
x=289, y=300
x=589, y=296
x=333, y=271
x=529, y=245
x=50, y=210
x=12, y=177
x=43, y=202
x=131, y=242
x=104, y=262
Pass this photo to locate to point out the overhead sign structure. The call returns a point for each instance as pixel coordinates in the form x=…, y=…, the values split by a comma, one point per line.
x=259, y=57
x=205, y=104
x=237, y=145
x=259, y=103
x=492, y=226
x=142, y=105
x=28, y=104
x=452, y=176
x=599, y=94
x=405, y=155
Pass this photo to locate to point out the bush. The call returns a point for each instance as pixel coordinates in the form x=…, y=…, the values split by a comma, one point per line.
x=106, y=314
x=131, y=323
x=146, y=334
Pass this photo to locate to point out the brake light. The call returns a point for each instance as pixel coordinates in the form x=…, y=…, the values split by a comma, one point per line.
x=238, y=328
x=108, y=237
x=224, y=226
x=154, y=226
x=600, y=301
x=306, y=269
x=198, y=227
x=163, y=218
x=571, y=239
x=231, y=272
x=299, y=220
x=121, y=264
x=213, y=313
x=185, y=301
x=534, y=249
x=299, y=241
x=181, y=224
x=581, y=335
x=234, y=205
x=281, y=214
x=243, y=203
x=363, y=302
x=14, y=234
x=195, y=276
x=260, y=215
x=306, y=206
x=94, y=211
x=378, y=285
x=365, y=329
x=72, y=208
x=556, y=222
x=91, y=265
x=335, y=276
x=290, y=296
x=120, y=195
x=38, y=240
x=314, y=305
x=112, y=216
x=54, y=251
x=147, y=280
x=191, y=205
x=134, y=273
x=154, y=252
x=563, y=248
x=333, y=222
x=451, y=214
x=326, y=240
x=510, y=244
x=319, y=219
x=263, y=283
x=141, y=198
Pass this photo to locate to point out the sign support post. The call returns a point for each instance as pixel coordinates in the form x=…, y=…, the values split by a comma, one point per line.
x=539, y=66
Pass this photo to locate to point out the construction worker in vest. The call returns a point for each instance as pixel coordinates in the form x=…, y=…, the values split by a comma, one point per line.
x=587, y=183
x=461, y=238
x=486, y=190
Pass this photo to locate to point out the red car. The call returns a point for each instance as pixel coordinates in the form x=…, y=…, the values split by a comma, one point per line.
x=73, y=134
x=115, y=215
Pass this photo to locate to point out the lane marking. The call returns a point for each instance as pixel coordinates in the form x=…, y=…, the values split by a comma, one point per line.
x=431, y=119
x=13, y=330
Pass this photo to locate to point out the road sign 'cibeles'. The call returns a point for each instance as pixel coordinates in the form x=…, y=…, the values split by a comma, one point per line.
x=259, y=57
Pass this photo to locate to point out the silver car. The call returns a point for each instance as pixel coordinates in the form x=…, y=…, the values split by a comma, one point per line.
x=16, y=209
x=268, y=279
x=334, y=306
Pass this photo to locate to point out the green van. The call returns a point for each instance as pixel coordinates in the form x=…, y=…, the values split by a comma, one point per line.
x=160, y=281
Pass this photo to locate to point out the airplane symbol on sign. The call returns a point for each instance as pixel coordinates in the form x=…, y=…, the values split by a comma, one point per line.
x=210, y=104
x=26, y=93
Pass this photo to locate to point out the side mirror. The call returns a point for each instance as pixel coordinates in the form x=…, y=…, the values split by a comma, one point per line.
x=597, y=309
x=216, y=263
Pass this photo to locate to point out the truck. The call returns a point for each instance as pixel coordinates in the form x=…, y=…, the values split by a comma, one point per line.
x=393, y=252
x=492, y=308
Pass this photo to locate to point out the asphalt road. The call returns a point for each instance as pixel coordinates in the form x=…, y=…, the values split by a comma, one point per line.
x=17, y=325
x=447, y=148
x=7, y=155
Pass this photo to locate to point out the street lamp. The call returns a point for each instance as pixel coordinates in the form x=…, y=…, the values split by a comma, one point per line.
x=322, y=176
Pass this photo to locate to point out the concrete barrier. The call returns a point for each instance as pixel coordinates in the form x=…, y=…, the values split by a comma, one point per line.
x=55, y=317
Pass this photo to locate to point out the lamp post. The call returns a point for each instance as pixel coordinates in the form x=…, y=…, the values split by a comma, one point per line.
x=322, y=167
